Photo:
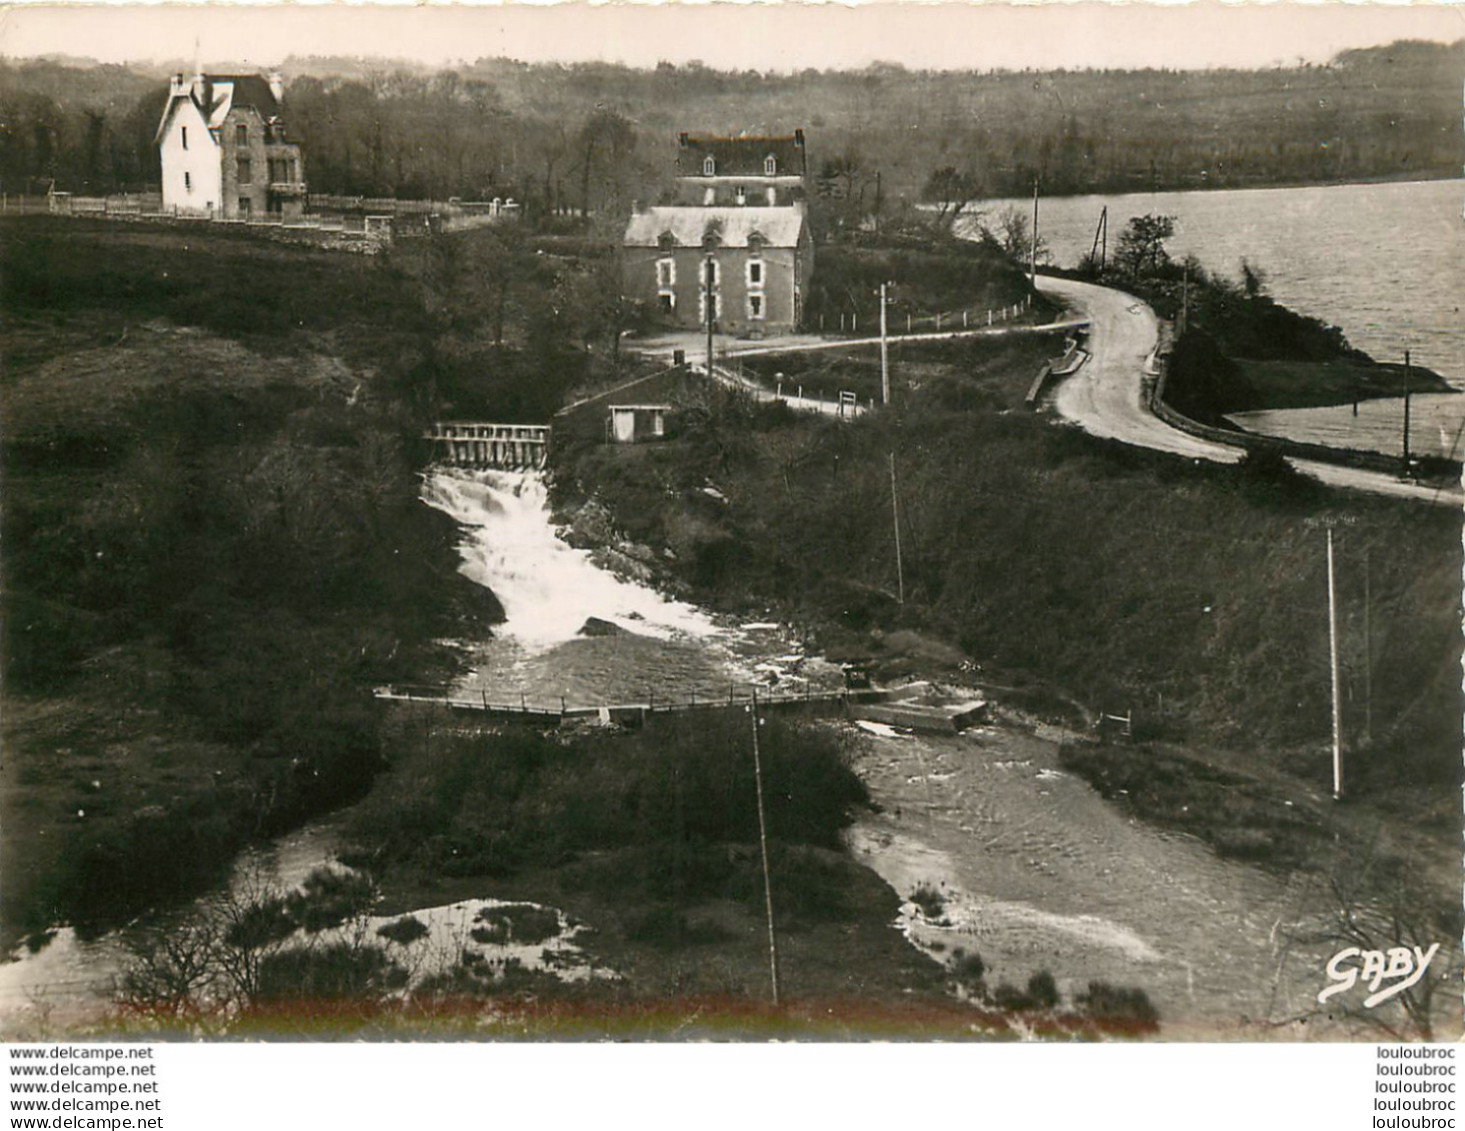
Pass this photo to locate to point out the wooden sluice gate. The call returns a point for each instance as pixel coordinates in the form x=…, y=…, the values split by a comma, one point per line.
x=512, y=447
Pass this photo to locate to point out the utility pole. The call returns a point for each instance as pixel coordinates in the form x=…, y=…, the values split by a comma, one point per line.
x=763, y=844
x=1367, y=654
x=1100, y=233
x=1408, y=381
x=1033, y=251
x=1185, y=300
x=884, y=352
x=1333, y=655
x=895, y=517
x=708, y=274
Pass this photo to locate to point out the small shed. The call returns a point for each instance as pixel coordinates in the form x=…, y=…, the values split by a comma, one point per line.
x=632, y=423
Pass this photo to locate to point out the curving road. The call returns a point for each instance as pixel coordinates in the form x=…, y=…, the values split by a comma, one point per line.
x=1105, y=396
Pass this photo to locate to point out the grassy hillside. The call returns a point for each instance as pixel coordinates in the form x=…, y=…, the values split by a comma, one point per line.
x=213, y=549
x=1194, y=595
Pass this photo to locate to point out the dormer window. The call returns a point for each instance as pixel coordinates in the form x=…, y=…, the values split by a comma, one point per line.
x=770, y=166
x=666, y=241
x=709, y=166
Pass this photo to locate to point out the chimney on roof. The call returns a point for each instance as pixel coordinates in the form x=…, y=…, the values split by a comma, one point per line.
x=799, y=138
x=200, y=91
x=681, y=141
x=635, y=208
x=277, y=86
x=177, y=86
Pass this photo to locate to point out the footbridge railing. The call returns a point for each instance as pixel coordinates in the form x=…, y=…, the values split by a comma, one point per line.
x=558, y=710
x=477, y=444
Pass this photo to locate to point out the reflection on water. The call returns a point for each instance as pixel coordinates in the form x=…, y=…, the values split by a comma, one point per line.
x=1436, y=421
x=1385, y=262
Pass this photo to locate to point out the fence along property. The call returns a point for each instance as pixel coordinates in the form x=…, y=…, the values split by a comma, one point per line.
x=358, y=223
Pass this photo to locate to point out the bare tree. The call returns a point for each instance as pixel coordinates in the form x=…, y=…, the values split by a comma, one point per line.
x=1377, y=906
x=951, y=191
x=1011, y=231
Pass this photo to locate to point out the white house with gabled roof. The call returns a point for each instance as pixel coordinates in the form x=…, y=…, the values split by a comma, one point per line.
x=224, y=151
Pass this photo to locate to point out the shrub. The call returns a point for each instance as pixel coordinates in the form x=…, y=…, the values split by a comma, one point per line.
x=967, y=966
x=665, y=926
x=339, y=971
x=1123, y=1005
x=930, y=901
x=1043, y=990
x=261, y=923
x=522, y=924
x=1009, y=997
x=403, y=931
x=328, y=898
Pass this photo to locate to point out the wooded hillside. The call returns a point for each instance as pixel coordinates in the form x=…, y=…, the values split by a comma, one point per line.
x=595, y=135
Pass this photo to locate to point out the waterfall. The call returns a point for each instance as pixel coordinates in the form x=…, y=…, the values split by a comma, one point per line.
x=547, y=588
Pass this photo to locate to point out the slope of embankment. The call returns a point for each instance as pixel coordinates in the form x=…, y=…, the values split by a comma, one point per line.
x=1194, y=596
x=212, y=548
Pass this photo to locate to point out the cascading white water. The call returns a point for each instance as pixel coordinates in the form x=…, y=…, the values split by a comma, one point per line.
x=668, y=651
x=548, y=589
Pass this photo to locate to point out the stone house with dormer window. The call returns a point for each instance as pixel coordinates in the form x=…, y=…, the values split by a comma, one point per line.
x=224, y=150
x=756, y=260
x=744, y=171
x=737, y=240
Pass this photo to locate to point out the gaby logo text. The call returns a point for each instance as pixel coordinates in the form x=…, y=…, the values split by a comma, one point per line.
x=1400, y=966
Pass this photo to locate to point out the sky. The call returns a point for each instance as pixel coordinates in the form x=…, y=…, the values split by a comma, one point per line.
x=760, y=36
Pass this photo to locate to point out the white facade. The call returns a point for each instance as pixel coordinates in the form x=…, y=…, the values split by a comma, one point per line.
x=224, y=152
x=192, y=171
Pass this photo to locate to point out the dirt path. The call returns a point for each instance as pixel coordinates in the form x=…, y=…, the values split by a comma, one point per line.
x=1039, y=872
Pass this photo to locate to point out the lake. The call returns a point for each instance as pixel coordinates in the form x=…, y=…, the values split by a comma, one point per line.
x=1385, y=262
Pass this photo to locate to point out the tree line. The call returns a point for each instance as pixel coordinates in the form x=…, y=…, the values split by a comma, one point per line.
x=588, y=138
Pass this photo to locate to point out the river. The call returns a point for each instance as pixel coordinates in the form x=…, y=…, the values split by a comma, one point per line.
x=662, y=649
x=1039, y=872
x=659, y=650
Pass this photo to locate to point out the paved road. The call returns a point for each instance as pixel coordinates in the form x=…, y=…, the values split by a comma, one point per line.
x=694, y=343
x=1105, y=397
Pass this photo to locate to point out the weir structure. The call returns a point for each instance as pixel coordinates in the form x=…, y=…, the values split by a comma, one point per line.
x=558, y=711
x=513, y=447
